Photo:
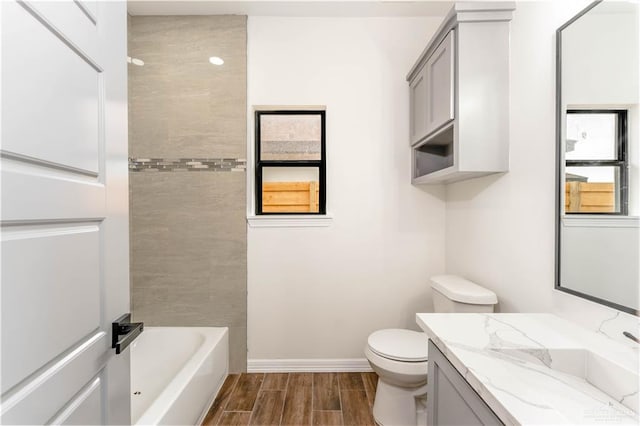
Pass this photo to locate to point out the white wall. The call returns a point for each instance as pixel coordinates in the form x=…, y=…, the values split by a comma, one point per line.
x=500, y=229
x=318, y=292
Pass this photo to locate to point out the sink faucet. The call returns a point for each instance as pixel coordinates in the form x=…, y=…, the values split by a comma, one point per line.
x=631, y=336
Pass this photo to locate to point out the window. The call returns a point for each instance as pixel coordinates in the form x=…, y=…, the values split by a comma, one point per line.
x=596, y=174
x=290, y=164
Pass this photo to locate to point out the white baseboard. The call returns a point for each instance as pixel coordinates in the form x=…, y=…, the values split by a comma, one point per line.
x=307, y=365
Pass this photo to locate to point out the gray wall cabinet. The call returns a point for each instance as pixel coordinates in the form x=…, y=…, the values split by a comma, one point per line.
x=432, y=92
x=459, y=96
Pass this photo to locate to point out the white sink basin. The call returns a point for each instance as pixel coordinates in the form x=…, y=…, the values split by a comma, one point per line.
x=616, y=381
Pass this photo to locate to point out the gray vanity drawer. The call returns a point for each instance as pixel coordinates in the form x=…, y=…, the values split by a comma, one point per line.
x=451, y=400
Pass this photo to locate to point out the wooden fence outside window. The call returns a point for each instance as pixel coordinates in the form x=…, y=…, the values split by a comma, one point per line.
x=290, y=197
x=589, y=197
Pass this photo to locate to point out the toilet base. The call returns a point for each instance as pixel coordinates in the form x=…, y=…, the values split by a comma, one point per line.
x=396, y=406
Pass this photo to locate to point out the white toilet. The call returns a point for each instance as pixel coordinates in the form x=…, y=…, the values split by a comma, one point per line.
x=399, y=357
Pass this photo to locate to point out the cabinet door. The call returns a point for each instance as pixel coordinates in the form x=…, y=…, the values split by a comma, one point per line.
x=451, y=400
x=440, y=82
x=418, y=93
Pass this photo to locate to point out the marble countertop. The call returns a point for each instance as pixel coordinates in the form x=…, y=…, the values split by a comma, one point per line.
x=517, y=363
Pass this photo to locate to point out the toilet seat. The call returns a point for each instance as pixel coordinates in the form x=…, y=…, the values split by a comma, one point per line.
x=399, y=345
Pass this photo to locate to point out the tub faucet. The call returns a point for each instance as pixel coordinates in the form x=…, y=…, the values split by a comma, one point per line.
x=631, y=336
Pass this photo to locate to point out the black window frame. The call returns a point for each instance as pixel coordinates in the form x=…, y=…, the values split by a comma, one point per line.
x=321, y=164
x=621, y=161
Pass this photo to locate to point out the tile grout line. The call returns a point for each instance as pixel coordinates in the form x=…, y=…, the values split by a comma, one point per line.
x=313, y=380
x=257, y=395
x=284, y=398
x=340, y=398
x=233, y=388
x=366, y=391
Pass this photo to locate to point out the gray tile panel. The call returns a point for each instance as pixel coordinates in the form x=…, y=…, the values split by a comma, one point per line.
x=188, y=251
x=187, y=226
x=178, y=102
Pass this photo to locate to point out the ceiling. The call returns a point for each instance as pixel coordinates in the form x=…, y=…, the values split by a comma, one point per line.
x=348, y=8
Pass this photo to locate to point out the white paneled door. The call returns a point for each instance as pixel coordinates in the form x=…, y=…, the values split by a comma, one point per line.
x=64, y=212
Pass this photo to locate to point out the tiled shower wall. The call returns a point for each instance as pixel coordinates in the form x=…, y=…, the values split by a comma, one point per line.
x=187, y=148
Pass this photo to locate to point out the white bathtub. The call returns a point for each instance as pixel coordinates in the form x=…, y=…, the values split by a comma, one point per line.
x=176, y=373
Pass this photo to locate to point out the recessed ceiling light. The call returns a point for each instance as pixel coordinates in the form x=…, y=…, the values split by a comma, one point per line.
x=216, y=60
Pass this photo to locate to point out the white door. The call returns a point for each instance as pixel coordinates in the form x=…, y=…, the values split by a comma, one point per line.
x=64, y=212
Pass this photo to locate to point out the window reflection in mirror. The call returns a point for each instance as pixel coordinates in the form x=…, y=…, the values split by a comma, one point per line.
x=596, y=162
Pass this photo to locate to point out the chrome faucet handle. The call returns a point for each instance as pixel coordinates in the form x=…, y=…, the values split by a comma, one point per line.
x=631, y=336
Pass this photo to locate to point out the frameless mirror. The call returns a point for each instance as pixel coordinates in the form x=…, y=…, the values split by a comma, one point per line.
x=597, y=120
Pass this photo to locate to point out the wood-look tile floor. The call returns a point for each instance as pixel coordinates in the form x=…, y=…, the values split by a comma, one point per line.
x=294, y=399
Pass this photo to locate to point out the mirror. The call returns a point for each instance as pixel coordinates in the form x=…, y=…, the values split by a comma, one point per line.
x=597, y=198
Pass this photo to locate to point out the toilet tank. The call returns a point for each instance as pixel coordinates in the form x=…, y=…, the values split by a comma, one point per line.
x=452, y=293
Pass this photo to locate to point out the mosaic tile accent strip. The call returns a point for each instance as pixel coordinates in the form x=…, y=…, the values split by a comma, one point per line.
x=187, y=165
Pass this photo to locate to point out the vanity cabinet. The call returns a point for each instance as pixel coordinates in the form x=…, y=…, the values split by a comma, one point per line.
x=459, y=96
x=451, y=400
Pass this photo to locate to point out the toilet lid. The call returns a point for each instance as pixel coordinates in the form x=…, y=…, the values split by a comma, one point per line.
x=398, y=344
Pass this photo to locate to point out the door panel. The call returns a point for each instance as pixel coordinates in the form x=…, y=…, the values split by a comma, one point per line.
x=418, y=94
x=39, y=71
x=440, y=74
x=64, y=212
x=90, y=8
x=85, y=408
x=64, y=288
x=41, y=396
x=76, y=24
x=62, y=195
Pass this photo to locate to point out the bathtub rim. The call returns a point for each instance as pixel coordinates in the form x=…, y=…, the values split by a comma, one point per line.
x=160, y=406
